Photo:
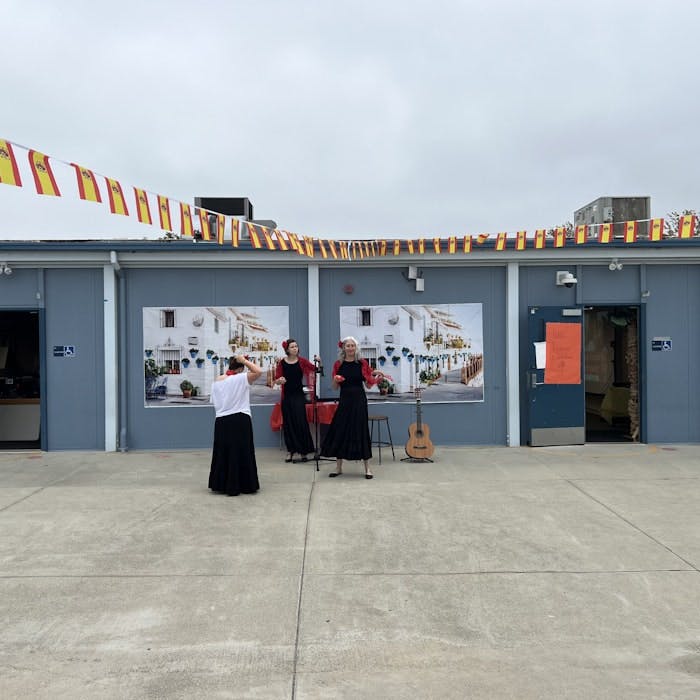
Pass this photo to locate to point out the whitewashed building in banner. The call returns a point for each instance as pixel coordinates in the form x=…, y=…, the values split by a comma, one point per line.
x=515, y=347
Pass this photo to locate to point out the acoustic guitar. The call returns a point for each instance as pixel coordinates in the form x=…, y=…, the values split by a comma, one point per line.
x=419, y=445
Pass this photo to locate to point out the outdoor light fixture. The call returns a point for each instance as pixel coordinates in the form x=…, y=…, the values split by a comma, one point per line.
x=5, y=268
x=614, y=265
x=565, y=279
x=420, y=284
x=412, y=273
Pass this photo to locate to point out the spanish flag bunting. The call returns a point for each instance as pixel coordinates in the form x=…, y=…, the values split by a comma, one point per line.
x=382, y=247
x=164, y=213
x=344, y=252
x=630, y=231
x=521, y=240
x=294, y=240
x=605, y=233
x=410, y=246
x=467, y=244
x=436, y=245
x=44, y=180
x=540, y=238
x=235, y=232
x=309, y=246
x=186, y=220
x=368, y=249
x=482, y=238
x=220, y=228
x=333, y=249
x=117, y=203
x=253, y=235
x=322, y=249
x=501, y=241
x=559, y=237
x=686, y=226
x=421, y=246
x=87, y=184
x=204, y=224
x=143, y=210
x=452, y=244
x=581, y=234
x=397, y=246
x=267, y=235
x=656, y=229
x=9, y=172
x=281, y=238
x=373, y=248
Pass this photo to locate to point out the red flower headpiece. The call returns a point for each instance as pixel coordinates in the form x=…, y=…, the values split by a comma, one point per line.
x=284, y=345
x=340, y=344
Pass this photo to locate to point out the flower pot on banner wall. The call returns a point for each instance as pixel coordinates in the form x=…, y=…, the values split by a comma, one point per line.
x=395, y=360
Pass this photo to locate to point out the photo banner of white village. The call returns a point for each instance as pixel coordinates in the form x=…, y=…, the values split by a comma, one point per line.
x=187, y=347
x=435, y=347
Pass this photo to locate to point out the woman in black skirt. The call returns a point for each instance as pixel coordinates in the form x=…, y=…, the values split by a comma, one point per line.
x=233, y=466
x=292, y=372
x=348, y=434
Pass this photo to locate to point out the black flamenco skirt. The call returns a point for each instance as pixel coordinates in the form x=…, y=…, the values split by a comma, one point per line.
x=233, y=466
x=297, y=436
x=348, y=433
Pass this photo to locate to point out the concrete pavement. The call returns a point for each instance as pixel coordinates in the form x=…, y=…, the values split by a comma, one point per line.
x=555, y=572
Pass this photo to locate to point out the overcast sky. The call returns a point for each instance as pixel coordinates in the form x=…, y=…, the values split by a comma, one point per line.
x=354, y=120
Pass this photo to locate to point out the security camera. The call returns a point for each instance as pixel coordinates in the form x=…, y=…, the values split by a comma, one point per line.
x=565, y=279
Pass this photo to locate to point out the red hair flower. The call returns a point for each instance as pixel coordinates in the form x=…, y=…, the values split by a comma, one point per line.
x=284, y=345
x=340, y=344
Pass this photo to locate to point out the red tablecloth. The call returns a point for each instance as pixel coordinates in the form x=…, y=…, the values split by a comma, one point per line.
x=325, y=411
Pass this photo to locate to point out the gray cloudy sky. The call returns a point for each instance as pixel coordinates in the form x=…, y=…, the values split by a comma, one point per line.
x=355, y=120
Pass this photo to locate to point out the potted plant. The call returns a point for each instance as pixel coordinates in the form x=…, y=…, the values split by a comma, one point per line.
x=383, y=384
x=381, y=359
x=194, y=352
x=199, y=361
x=389, y=349
x=410, y=357
x=405, y=351
x=186, y=388
x=149, y=352
x=215, y=359
x=396, y=360
x=185, y=362
x=209, y=354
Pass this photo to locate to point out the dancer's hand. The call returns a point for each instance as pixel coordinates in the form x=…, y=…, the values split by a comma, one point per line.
x=339, y=378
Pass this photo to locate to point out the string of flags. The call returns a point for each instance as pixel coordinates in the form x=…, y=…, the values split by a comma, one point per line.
x=212, y=226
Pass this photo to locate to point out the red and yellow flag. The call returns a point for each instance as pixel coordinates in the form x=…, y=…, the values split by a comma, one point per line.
x=656, y=229
x=436, y=245
x=686, y=226
x=581, y=234
x=559, y=237
x=267, y=235
x=310, y=246
x=220, y=228
x=368, y=249
x=186, y=220
x=164, y=213
x=87, y=184
x=9, y=172
x=344, y=250
x=382, y=247
x=630, y=231
x=44, y=180
x=410, y=246
x=482, y=238
x=605, y=233
x=540, y=234
x=143, y=210
x=501, y=241
x=253, y=235
x=281, y=239
x=322, y=249
x=521, y=240
x=467, y=244
x=235, y=232
x=421, y=246
x=333, y=249
x=204, y=224
x=452, y=245
x=397, y=246
x=297, y=244
x=117, y=203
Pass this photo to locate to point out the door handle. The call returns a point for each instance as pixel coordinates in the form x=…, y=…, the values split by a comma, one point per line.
x=533, y=380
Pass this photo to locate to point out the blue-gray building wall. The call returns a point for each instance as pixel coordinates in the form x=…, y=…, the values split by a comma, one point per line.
x=193, y=427
x=482, y=423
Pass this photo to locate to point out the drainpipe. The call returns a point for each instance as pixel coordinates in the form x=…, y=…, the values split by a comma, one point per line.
x=121, y=313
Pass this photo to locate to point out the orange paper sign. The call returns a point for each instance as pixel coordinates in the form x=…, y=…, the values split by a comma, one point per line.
x=563, y=365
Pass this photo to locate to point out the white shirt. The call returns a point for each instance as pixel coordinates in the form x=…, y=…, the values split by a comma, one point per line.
x=231, y=395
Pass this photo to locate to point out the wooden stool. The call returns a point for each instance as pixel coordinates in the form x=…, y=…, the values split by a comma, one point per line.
x=379, y=443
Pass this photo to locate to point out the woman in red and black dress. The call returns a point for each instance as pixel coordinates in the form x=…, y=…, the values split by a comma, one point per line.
x=292, y=372
x=348, y=434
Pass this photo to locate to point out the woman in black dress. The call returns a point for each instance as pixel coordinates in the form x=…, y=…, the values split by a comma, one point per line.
x=348, y=434
x=292, y=372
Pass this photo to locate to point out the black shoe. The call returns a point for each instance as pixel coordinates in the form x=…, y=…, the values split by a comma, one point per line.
x=289, y=459
x=332, y=474
x=369, y=476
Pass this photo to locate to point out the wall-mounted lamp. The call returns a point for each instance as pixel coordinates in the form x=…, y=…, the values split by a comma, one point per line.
x=5, y=269
x=614, y=265
x=412, y=273
x=420, y=284
x=565, y=279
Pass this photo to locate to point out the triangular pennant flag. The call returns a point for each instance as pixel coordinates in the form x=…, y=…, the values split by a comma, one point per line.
x=9, y=172
x=87, y=184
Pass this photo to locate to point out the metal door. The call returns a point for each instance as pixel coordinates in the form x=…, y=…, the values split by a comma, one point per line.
x=556, y=392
